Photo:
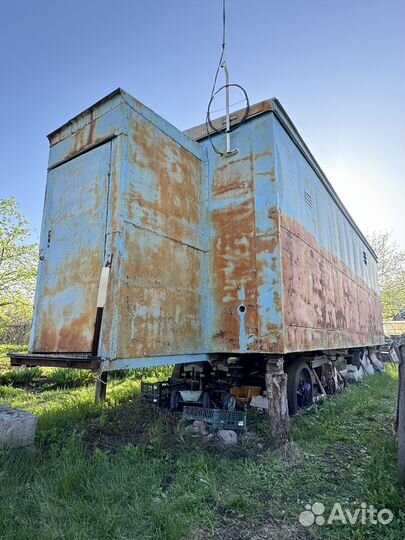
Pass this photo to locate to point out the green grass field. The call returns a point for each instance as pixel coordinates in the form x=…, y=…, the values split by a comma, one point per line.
x=124, y=470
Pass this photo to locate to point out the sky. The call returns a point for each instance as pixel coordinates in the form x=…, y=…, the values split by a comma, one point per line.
x=337, y=66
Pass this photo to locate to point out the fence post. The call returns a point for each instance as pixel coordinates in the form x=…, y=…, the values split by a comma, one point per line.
x=401, y=414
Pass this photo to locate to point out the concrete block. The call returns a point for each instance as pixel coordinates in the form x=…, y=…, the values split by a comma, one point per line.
x=17, y=428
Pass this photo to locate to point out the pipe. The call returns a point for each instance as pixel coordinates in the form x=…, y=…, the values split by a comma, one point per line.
x=227, y=120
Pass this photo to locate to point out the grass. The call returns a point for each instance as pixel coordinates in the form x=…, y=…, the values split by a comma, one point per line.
x=64, y=378
x=127, y=471
x=21, y=376
x=70, y=378
x=5, y=349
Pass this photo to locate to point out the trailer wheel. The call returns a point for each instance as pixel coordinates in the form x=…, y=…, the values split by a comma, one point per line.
x=174, y=400
x=299, y=386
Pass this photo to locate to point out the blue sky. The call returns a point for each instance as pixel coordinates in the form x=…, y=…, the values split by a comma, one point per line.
x=337, y=66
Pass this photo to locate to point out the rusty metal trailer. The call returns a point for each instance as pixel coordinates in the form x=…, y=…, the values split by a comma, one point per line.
x=155, y=250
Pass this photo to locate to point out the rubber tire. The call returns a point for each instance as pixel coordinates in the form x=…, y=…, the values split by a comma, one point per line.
x=174, y=401
x=293, y=377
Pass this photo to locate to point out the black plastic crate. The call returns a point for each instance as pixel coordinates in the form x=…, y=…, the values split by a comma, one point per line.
x=157, y=393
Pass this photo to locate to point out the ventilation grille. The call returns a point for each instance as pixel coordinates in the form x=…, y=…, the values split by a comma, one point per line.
x=308, y=199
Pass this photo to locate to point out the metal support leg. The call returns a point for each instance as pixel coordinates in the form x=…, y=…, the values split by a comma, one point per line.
x=276, y=387
x=101, y=387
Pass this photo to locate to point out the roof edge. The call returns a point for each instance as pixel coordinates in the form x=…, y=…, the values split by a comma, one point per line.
x=106, y=98
x=200, y=132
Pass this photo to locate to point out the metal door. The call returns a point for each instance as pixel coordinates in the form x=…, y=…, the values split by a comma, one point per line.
x=72, y=253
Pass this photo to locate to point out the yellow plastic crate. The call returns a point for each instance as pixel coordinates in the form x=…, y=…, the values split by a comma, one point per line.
x=245, y=393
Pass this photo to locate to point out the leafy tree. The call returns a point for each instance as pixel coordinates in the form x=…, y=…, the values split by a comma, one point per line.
x=15, y=322
x=18, y=268
x=391, y=273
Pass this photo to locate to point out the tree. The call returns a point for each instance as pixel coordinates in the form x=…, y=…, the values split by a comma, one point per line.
x=391, y=273
x=18, y=269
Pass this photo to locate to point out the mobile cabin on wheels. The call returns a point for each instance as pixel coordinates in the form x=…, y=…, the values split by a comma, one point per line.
x=156, y=250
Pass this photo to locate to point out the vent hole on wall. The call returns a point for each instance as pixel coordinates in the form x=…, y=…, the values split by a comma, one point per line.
x=308, y=199
x=242, y=308
x=365, y=257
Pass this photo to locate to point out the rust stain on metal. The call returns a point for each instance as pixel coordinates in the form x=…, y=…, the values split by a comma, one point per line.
x=73, y=337
x=166, y=195
x=277, y=302
x=160, y=302
x=233, y=179
x=269, y=287
x=61, y=329
x=325, y=304
x=83, y=138
x=233, y=264
x=264, y=154
x=269, y=243
x=73, y=257
x=234, y=257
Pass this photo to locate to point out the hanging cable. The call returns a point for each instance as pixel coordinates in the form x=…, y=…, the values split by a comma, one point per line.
x=208, y=122
x=221, y=58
